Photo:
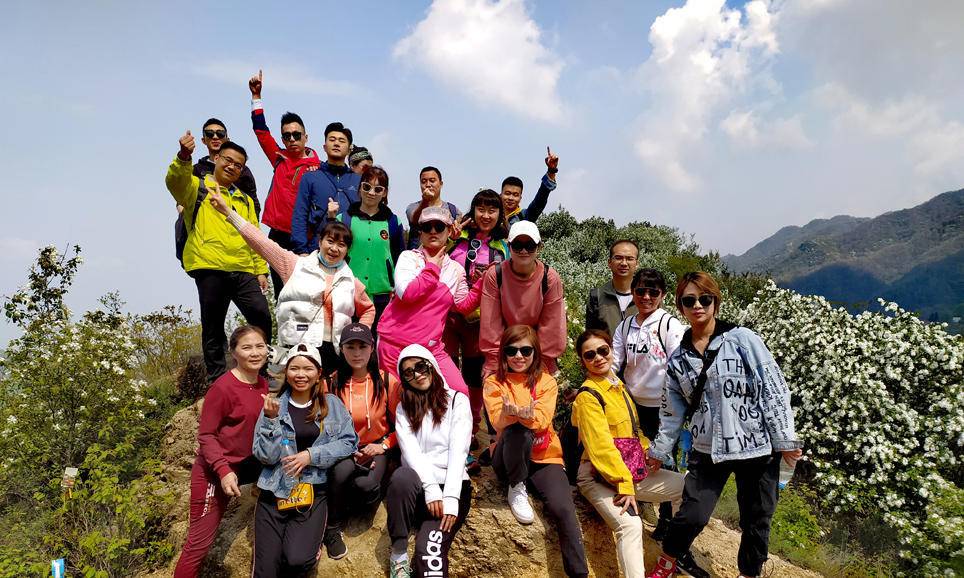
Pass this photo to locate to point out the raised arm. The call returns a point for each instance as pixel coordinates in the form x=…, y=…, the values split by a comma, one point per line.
x=415, y=278
x=180, y=179
x=280, y=259
x=270, y=147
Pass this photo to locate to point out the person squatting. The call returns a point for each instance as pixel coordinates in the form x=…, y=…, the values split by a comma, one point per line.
x=396, y=340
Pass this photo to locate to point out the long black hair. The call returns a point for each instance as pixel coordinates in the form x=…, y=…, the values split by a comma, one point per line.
x=418, y=403
x=338, y=381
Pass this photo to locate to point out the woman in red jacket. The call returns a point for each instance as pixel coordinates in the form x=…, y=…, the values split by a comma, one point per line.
x=225, y=437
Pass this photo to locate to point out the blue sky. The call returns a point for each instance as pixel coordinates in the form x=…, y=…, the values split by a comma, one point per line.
x=728, y=121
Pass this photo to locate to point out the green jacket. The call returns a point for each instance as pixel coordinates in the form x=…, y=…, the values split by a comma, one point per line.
x=602, y=309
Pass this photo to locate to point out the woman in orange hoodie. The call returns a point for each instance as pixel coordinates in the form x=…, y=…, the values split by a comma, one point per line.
x=521, y=402
x=371, y=396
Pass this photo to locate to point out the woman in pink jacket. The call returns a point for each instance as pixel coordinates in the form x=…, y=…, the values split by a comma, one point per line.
x=428, y=284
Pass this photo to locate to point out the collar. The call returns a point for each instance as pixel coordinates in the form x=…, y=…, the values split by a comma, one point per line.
x=383, y=214
x=515, y=212
x=721, y=328
x=605, y=384
x=335, y=169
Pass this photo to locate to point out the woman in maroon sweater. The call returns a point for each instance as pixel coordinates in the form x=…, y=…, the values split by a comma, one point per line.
x=225, y=437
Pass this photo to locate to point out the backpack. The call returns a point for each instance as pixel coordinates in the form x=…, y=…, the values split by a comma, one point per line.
x=181, y=231
x=572, y=448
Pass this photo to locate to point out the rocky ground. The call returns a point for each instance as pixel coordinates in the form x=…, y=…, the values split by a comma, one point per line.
x=491, y=543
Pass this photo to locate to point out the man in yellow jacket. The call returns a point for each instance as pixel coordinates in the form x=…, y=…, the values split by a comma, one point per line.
x=222, y=265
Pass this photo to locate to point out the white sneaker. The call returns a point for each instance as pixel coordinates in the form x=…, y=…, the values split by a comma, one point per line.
x=519, y=503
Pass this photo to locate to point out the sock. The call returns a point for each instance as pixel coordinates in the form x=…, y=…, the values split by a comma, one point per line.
x=399, y=551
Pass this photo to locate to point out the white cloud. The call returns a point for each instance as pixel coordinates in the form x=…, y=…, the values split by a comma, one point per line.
x=704, y=57
x=746, y=129
x=283, y=77
x=18, y=249
x=492, y=52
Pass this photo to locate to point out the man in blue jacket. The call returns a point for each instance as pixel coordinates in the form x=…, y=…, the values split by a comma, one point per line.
x=333, y=183
x=512, y=194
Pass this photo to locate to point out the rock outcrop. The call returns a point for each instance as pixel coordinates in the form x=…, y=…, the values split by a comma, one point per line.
x=491, y=543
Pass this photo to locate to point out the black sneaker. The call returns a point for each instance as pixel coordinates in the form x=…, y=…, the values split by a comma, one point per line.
x=687, y=564
x=335, y=544
x=661, y=529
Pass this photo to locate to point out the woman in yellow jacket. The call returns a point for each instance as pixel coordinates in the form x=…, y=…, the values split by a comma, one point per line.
x=521, y=401
x=603, y=478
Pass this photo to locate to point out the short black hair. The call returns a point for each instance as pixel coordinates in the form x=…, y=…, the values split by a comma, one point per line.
x=232, y=146
x=620, y=242
x=337, y=231
x=489, y=198
x=649, y=278
x=338, y=127
x=512, y=181
x=211, y=121
x=430, y=168
x=290, y=117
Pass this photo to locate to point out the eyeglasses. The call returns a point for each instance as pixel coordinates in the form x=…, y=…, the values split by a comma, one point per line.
x=433, y=227
x=623, y=259
x=215, y=134
x=473, y=253
x=229, y=163
x=647, y=292
x=602, y=350
x=511, y=350
x=292, y=135
x=689, y=301
x=529, y=246
x=368, y=187
x=421, y=367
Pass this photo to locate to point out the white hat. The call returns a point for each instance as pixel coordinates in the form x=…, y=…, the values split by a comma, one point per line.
x=305, y=350
x=524, y=228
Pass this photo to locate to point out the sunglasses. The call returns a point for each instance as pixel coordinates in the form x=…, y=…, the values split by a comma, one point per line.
x=420, y=368
x=293, y=135
x=368, y=187
x=215, y=133
x=433, y=227
x=529, y=246
x=647, y=292
x=473, y=253
x=602, y=350
x=689, y=301
x=511, y=350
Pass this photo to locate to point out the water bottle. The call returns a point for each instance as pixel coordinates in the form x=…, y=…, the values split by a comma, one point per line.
x=685, y=444
x=786, y=473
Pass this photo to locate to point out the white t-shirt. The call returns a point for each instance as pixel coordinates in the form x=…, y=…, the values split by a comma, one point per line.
x=624, y=300
x=639, y=347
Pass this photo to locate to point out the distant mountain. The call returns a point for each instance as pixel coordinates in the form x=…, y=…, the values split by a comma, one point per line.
x=914, y=257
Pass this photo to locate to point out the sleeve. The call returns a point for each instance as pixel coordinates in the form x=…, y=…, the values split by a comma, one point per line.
x=460, y=436
x=413, y=280
x=547, y=391
x=259, y=267
x=301, y=244
x=341, y=441
x=491, y=324
x=396, y=237
x=413, y=457
x=364, y=308
x=268, y=437
x=182, y=184
x=268, y=145
x=552, y=319
x=492, y=392
x=538, y=204
x=471, y=298
x=671, y=413
x=214, y=407
x=593, y=426
x=620, y=355
x=249, y=186
x=592, y=310
x=774, y=395
x=280, y=259
x=674, y=335
x=394, y=397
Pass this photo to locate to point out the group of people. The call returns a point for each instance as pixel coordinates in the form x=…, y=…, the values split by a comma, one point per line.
x=393, y=345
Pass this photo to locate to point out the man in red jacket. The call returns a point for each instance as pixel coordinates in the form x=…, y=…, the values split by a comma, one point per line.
x=290, y=164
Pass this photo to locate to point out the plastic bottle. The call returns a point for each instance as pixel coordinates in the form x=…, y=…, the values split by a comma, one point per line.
x=685, y=444
x=786, y=473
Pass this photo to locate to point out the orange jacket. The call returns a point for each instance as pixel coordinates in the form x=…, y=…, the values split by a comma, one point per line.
x=518, y=392
x=374, y=418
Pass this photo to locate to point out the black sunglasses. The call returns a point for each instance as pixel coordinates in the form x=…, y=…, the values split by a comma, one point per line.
x=589, y=355
x=432, y=227
x=511, y=350
x=292, y=135
x=421, y=367
x=529, y=246
x=368, y=187
x=689, y=301
x=647, y=292
x=215, y=133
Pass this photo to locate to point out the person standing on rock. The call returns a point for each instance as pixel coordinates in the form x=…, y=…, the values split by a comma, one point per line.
x=371, y=396
x=299, y=436
x=521, y=402
x=608, y=430
x=724, y=385
x=431, y=493
x=224, y=460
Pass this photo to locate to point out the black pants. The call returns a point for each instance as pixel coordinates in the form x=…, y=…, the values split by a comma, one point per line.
x=550, y=484
x=381, y=302
x=352, y=486
x=286, y=543
x=283, y=239
x=649, y=422
x=407, y=511
x=756, y=495
x=216, y=290
x=329, y=357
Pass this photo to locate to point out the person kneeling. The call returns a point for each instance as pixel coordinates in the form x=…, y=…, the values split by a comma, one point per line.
x=431, y=492
x=299, y=437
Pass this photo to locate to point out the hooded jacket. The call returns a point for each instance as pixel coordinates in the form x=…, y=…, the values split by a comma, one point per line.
x=436, y=453
x=335, y=182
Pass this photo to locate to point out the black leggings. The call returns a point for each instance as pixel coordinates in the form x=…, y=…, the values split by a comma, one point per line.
x=351, y=486
x=286, y=543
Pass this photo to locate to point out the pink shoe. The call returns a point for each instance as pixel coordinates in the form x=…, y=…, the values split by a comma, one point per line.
x=665, y=568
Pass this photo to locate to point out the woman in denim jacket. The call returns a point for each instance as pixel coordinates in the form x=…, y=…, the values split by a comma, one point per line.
x=742, y=424
x=299, y=436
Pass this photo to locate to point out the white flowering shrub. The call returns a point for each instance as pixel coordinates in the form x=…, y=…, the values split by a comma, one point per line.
x=879, y=401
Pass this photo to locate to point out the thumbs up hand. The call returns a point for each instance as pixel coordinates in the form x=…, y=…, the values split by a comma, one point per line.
x=187, y=146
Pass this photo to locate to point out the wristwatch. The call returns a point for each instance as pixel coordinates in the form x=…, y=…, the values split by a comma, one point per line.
x=384, y=446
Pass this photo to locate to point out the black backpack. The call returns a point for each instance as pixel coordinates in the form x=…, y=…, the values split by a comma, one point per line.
x=572, y=448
